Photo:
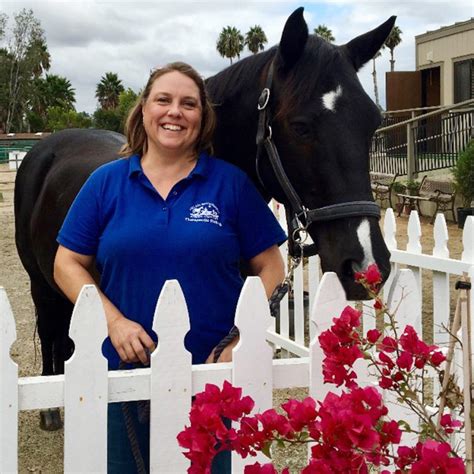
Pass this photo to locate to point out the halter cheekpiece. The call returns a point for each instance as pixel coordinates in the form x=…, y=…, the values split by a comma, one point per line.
x=299, y=217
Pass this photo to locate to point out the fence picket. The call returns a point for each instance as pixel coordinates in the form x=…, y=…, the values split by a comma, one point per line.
x=414, y=244
x=85, y=387
x=170, y=383
x=441, y=300
x=329, y=303
x=298, y=305
x=404, y=300
x=252, y=358
x=8, y=389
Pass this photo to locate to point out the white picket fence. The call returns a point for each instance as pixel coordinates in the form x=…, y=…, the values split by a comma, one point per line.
x=86, y=387
x=438, y=263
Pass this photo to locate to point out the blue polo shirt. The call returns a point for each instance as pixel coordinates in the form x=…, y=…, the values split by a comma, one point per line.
x=209, y=221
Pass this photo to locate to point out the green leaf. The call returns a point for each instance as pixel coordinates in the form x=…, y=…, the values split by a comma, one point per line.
x=403, y=424
x=267, y=449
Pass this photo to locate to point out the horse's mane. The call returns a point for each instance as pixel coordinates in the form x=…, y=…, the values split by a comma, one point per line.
x=238, y=76
x=246, y=75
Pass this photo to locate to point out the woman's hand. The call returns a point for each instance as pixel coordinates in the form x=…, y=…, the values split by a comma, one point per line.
x=226, y=354
x=130, y=340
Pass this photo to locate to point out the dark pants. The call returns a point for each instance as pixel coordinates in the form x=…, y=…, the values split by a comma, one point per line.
x=120, y=459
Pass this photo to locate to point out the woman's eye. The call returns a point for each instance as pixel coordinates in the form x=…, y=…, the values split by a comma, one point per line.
x=162, y=100
x=190, y=105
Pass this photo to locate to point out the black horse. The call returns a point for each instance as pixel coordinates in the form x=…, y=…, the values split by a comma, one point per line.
x=322, y=124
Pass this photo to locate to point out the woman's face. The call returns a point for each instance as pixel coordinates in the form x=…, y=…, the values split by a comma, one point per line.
x=172, y=115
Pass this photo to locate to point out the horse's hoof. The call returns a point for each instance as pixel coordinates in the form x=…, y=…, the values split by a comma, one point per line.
x=50, y=420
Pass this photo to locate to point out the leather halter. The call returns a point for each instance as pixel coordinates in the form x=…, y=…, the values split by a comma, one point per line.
x=299, y=218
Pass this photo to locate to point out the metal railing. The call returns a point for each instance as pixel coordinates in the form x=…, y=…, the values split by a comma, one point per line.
x=420, y=143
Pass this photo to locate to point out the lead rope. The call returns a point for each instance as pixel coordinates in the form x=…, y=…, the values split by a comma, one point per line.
x=143, y=407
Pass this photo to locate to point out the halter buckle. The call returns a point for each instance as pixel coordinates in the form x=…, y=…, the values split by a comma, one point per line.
x=263, y=99
x=302, y=219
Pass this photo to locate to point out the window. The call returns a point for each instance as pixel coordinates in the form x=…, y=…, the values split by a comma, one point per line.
x=463, y=80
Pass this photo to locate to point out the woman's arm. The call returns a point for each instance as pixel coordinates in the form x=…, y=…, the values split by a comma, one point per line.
x=269, y=266
x=72, y=271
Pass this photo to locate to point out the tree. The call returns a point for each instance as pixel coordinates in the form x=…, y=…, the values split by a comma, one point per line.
x=374, y=76
x=60, y=118
x=325, y=33
x=255, y=39
x=25, y=58
x=48, y=92
x=108, y=119
x=230, y=43
x=127, y=100
x=392, y=41
x=108, y=91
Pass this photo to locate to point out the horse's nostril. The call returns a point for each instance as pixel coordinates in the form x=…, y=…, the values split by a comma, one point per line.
x=347, y=268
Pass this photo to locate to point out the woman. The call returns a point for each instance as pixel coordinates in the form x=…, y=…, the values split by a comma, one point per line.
x=167, y=211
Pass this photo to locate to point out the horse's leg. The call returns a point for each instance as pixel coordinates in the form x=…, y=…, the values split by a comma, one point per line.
x=53, y=314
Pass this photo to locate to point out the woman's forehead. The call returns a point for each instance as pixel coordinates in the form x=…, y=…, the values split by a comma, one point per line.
x=175, y=82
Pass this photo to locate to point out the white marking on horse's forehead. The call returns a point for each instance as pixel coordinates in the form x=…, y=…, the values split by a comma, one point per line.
x=329, y=99
x=363, y=234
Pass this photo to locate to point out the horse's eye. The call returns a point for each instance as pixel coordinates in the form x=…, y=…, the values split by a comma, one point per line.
x=301, y=129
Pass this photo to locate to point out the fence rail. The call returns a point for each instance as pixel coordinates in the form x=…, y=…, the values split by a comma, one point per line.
x=424, y=142
x=171, y=379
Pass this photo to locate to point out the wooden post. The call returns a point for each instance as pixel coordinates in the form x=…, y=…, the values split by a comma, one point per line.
x=410, y=151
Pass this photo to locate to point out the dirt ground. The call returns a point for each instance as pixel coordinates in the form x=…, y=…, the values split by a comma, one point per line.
x=42, y=451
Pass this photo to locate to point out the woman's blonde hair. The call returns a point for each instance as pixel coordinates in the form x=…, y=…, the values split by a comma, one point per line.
x=134, y=129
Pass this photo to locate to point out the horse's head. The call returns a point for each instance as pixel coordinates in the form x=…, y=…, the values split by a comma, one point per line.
x=323, y=122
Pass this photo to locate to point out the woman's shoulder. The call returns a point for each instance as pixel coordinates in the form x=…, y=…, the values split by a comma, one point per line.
x=227, y=169
x=112, y=170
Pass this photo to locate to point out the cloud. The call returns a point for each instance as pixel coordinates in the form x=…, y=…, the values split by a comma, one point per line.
x=88, y=38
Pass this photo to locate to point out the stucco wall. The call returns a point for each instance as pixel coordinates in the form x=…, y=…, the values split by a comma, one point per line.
x=443, y=48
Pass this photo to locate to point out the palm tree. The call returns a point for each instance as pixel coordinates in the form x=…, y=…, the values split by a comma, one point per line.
x=230, y=43
x=374, y=76
x=61, y=92
x=255, y=39
x=39, y=56
x=108, y=91
x=392, y=41
x=325, y=33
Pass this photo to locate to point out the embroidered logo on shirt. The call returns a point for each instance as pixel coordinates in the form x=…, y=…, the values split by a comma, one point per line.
x=204, y=212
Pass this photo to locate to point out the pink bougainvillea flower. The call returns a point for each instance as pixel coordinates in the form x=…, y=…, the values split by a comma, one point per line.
x=437, y=358
x=258, y=468
x=433, y=456
x=300, y=414
x=448, y=424
x=372, y=275
x=388, y=344
x=405, y=360
x=373, y=335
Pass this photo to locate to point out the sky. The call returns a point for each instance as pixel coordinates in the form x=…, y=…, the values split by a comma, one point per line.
x=86, y=39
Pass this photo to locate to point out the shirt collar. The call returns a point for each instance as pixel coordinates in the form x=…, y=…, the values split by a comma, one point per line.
x=201, y=168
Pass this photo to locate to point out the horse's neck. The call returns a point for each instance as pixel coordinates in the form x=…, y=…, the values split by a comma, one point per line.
x=237, y=117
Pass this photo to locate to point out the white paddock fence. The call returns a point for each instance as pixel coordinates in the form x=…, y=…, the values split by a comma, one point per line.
x=86, y=387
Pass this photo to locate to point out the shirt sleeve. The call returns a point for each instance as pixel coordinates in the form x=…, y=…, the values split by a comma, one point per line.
x=81, y=228
x=258, y=228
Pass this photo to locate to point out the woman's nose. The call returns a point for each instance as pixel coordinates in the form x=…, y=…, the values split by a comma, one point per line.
x=174, y=110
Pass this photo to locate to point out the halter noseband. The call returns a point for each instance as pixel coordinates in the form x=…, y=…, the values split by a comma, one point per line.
x=299, y=218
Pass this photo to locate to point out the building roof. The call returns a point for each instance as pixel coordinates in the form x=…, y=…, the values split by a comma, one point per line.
x=456, y=28
x=24, y=136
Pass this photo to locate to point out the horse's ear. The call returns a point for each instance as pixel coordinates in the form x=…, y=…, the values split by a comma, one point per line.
x=293, y=39
x=365, y=47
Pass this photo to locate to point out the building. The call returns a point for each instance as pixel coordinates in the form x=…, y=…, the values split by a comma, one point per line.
x=444, y=70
